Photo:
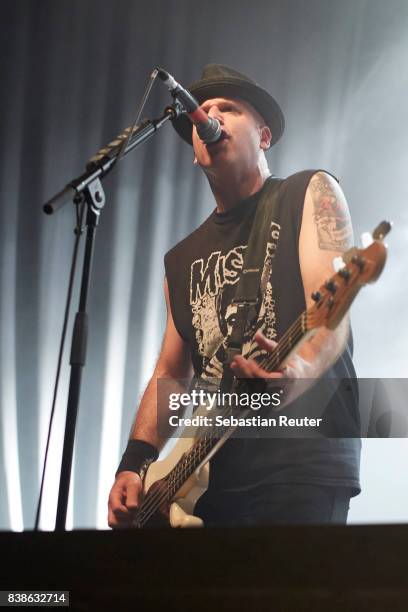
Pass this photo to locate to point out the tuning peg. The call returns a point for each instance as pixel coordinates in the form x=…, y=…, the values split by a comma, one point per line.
x=366, y=239
x=344, y=273
x=331, y=286
x=338, y=263
x=358, y=261
x=316, y=296
x=348, y=255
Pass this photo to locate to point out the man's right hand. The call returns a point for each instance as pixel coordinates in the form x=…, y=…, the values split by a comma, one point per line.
x=124, y=500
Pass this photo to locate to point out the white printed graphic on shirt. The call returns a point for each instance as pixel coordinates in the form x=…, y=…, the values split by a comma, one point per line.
x=211, y=291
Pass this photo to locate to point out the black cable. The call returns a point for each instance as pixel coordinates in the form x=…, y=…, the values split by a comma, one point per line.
x=150, y=83
x=80, y=209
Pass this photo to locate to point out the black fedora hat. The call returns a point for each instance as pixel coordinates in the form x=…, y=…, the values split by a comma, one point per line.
x=220, y=81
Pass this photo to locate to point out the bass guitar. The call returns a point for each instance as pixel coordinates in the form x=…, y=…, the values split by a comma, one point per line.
x=173, y=485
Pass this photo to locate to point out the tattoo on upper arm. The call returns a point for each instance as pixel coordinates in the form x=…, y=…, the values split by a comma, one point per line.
x=331, y=215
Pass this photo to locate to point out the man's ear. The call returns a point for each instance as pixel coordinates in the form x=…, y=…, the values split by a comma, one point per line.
x=266, y=137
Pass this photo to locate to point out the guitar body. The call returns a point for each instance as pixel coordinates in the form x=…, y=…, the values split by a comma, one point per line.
x=173, y=501
x=179, y=513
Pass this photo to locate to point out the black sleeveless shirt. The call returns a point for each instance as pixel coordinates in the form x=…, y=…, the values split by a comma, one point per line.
x=202, y=271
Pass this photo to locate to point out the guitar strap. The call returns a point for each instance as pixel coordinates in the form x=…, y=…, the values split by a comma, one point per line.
x=247, y=295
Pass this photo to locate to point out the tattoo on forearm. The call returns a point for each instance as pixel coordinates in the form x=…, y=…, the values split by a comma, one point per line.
x=332, y=218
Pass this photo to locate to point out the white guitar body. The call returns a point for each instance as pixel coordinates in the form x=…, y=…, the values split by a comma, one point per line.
x=181, y=509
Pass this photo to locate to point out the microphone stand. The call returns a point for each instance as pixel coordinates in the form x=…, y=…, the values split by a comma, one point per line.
x=88, y=189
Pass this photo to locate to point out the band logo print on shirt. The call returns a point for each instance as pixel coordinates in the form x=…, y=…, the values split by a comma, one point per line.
x=212, y=283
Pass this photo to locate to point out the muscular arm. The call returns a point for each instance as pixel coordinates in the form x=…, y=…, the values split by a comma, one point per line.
x=174, y=362
x=326, y=232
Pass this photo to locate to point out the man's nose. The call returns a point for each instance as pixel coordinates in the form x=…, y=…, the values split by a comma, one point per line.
x=215, y=113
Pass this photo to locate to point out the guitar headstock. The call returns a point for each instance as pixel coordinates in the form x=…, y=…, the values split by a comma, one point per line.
x=361, y=266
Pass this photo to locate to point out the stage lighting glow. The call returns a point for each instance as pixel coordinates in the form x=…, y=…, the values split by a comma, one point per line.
x=119, y=312
x=8, y=400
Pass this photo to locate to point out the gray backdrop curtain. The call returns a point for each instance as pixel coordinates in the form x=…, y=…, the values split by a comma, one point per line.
x=72, y=73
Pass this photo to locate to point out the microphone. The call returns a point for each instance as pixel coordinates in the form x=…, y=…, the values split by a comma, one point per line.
x=208, y=129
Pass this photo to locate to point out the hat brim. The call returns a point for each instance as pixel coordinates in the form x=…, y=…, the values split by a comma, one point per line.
x=259, y=98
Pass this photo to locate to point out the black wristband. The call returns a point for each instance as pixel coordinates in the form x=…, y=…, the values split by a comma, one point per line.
x=136, y=454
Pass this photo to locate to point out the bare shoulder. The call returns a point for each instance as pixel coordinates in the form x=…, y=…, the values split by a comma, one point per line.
x=326, y=204
x=325, y=232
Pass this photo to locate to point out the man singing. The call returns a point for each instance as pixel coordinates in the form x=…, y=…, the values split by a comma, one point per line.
x=263, y=480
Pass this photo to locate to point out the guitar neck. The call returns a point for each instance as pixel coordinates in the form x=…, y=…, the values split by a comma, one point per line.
x=296, y=333
x=198, y=454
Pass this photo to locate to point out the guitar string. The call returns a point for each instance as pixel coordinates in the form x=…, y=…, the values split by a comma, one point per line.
x=203, y=446
x=188, y=464
x=153, y=502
